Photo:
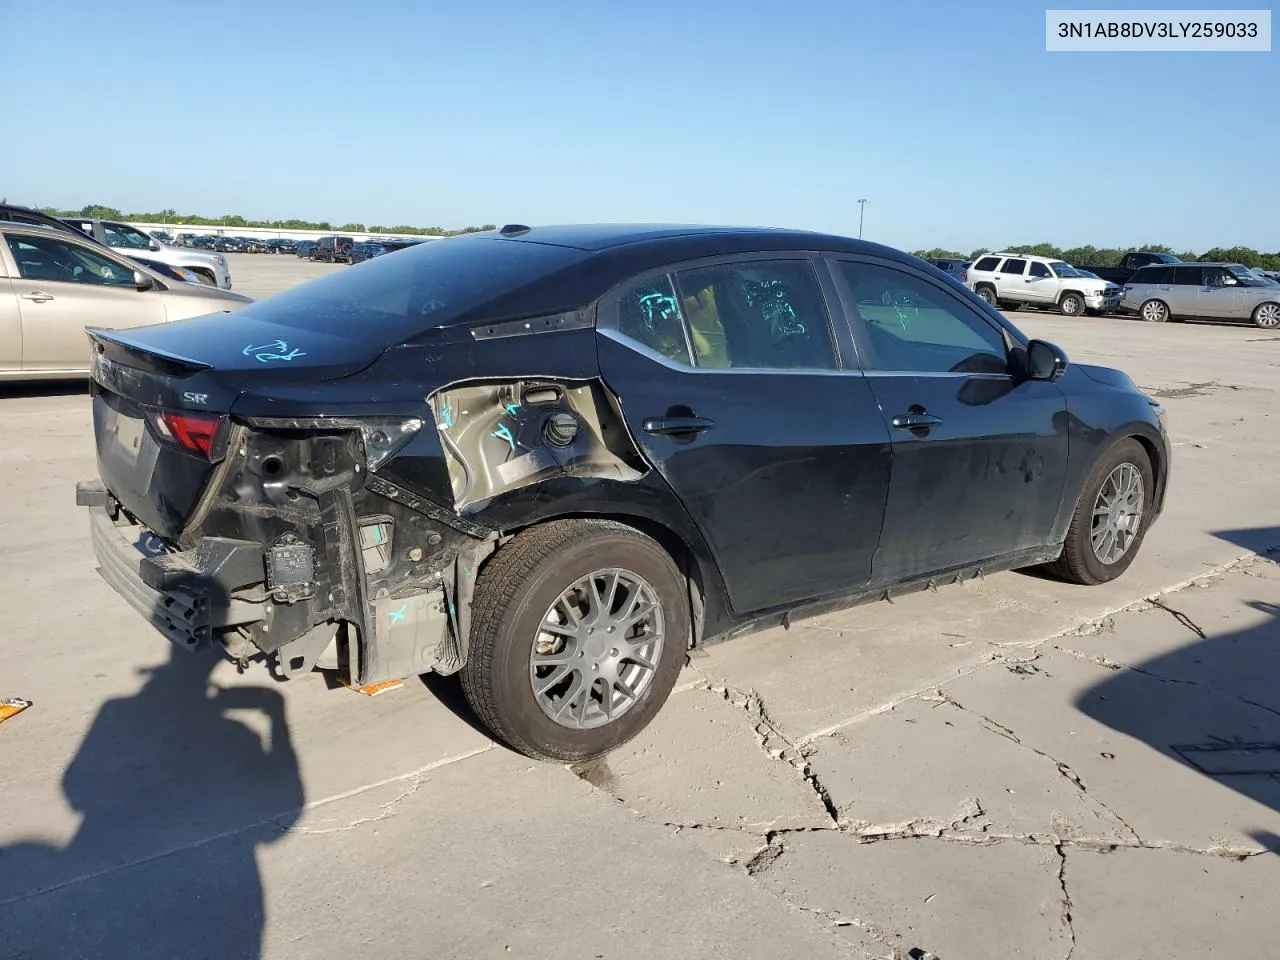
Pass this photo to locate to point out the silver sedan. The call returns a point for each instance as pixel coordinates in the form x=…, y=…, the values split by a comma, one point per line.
x=53, y=285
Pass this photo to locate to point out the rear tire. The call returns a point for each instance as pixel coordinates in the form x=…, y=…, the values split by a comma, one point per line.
x=988, y=295
x=1082, y=561
x=1154, y=311
x=523, y=589
x=1071, y=305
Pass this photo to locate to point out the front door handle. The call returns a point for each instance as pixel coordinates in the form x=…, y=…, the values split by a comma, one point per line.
x=677, y=425
x=916, y=421
x=39, y=296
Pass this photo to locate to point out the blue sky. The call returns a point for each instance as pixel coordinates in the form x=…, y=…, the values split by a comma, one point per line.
x=950, y=117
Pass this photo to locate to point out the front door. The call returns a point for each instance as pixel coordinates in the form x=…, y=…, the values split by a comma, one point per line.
x=62, y=287
x=979, y=458
x=1217, y=299
x=732, y=384
x=1039, y=286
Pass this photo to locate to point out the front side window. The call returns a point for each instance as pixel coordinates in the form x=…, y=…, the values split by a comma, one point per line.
x=49, y=259
x=1040, y=270
x=649, y=314
x=766, y=314
x=1014, y=266
x=911, y=325
x=119, y=235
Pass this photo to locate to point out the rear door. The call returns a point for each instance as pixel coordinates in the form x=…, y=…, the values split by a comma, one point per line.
x=63, y=286
x=979, y=459
x=734, y=386
x=1009, y=280
x=1184, y=292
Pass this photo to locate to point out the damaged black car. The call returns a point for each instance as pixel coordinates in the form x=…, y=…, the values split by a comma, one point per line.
x=554, y=459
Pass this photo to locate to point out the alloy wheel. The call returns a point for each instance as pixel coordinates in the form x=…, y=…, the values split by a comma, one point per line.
x=1117, y=513
x=1267, y=315
x=597, y=649
x=1153, y=311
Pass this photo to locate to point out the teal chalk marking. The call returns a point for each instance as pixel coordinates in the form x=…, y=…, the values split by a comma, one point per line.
x=504, y=433
x=513, y=408
x=397, y=616
x=446, y=414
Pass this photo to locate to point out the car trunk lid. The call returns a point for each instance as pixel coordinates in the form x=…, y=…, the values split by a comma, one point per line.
x=162, y=396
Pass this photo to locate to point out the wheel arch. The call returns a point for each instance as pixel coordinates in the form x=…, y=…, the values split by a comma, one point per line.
x=709, y=612
x=1152, y=443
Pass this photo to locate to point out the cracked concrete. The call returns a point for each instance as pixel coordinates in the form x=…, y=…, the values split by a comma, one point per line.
x=990, y=770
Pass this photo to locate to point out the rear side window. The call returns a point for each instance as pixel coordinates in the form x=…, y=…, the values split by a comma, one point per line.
x=1014, y=266
x=427, y=285
x=910, y=325
x=1187, y=276
x=987, y=264
x=1153, y=275
x=649, y=314
x=763, y=315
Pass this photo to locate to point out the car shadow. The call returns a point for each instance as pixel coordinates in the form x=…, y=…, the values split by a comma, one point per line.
x=1212, y=705
x=448, y=690
x=35, y=389
x=175, y=796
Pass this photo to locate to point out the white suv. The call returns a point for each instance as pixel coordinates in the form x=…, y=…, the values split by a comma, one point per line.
x=1010, y=280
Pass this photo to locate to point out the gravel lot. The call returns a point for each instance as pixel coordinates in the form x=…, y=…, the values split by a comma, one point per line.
x=1012, y=767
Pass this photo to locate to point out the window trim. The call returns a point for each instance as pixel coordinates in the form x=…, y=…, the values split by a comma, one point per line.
x=607, y=314
x=1049, y=274
x=1013, y=338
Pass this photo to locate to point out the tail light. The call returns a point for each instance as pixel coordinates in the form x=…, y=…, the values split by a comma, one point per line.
x=194, y=432
x=964, y=276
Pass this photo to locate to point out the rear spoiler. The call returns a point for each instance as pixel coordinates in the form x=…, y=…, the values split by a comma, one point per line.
x=114, y=347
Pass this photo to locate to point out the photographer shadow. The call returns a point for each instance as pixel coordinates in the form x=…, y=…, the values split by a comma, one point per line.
x=175, y=797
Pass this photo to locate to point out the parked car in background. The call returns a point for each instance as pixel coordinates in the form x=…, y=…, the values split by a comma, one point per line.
x=18, y=214
x=518, y=456
x=1011, y=280
x=1203, y=291
x=202, y=242
x=1129, y=264
x=163, y=237
x=956, y=269
x=59, y=282
x=226, y=244
x=253, y=245
x=305, y=249
x=123, y=238
x=282, y=245
x=184, y=239
x=335, y=249
x=365, y=251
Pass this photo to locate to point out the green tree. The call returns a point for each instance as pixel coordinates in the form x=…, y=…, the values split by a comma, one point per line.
x=938, y=253
x=99, y=212
x=353, y=228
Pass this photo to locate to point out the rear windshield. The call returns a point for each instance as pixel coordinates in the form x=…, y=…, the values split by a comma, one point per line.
x=426, y=285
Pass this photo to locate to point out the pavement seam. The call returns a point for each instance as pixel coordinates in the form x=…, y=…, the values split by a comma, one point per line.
x=1067, y=920
x=1076, y=630
x=420, y=774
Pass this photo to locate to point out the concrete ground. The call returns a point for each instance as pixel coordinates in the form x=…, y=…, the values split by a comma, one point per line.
x=1009, y=768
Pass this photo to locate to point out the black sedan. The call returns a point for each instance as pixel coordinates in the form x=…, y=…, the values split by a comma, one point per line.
x=361, y=252
x=553, y=459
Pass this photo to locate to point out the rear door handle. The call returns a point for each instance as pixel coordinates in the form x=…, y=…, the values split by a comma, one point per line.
x=39, y=296
x=915, y=421
x=670, y=425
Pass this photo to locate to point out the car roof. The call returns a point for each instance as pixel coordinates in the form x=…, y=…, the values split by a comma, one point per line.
x=1023, y=256
x=603, y=236
x=39, y=228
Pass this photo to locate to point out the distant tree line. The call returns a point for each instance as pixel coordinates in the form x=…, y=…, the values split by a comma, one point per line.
x=100, y=212
x=1110, y=256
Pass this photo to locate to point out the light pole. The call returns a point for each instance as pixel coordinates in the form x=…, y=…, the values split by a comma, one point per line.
x=862, y=208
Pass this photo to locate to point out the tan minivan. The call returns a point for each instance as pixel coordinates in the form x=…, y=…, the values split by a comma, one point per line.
x=53, y=285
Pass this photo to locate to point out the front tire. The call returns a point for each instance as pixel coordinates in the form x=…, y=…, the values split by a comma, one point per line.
x=1267, y=316
x=1110, y=519
x=579, y=630
x=206, y=276
x=1071, y=305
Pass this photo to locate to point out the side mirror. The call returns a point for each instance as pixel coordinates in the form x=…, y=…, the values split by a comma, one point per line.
x=154, y=244
x=142, y=281
x=1045, y=361
x=1230, y=282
